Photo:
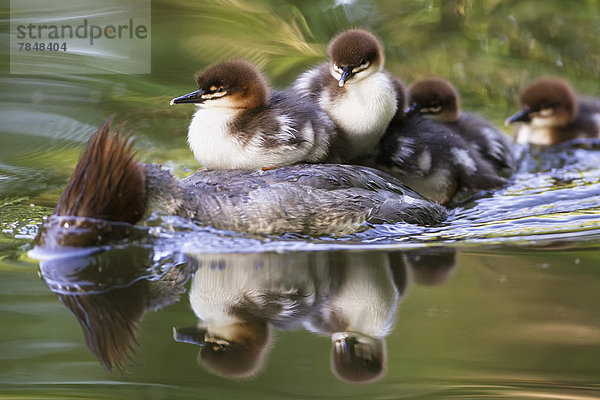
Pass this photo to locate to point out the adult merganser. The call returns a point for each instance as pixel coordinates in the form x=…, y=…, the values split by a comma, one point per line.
x=355, y=90
x=108, y=184
x=439, y=100
x=551, y=113
x=240, y=125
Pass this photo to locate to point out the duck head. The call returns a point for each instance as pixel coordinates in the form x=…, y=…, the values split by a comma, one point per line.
x=357, y=358
x=235, y=84
x=354, y=55
x=434, y=98
x=235, y=350
x=547, y=102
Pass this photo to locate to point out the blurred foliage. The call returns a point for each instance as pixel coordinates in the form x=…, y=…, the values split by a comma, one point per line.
x=488, y=48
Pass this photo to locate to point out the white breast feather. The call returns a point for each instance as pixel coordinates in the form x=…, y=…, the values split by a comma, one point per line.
x=212, y=144
x=366, y=297
x=364, y=111
x=216, y=147
x=539, y=135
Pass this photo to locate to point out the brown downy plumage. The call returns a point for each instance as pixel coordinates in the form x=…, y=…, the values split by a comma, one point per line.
x=353, y=48
x=354, y=90
x=241, y=80
x=435, y=97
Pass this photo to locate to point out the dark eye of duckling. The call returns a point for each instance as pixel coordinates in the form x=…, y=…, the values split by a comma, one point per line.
x=431, y=108
x=215, y=89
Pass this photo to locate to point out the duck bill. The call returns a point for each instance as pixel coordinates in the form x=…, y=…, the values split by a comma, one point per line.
x=523, y=115
x=346, y=74
x=192, y=335
x=194, y=97
x=414, y=107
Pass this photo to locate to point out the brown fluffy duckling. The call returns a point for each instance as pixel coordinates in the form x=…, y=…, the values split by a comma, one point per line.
x=551, y=113
x=239, y=124
x=439, y=100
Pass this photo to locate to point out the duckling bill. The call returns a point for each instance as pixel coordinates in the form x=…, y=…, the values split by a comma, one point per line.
x=240, y=124
x=108, y=184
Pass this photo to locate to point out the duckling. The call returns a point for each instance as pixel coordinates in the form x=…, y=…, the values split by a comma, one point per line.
x=239, y=124
x=432, y=159
x=313, y=199
x=439, y=100
x=551, y=113
x=355, y=91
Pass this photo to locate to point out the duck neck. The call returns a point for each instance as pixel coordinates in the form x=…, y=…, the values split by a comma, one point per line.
x=164, y=194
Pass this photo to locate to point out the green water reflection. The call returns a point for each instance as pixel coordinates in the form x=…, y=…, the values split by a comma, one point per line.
x=479, y=323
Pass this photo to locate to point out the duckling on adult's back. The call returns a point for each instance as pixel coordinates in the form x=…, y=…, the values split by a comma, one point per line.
x=433, y=160
x=439, y=100
x=354, y=90
x=317, y=199
x=240, y=125
x=551, y=113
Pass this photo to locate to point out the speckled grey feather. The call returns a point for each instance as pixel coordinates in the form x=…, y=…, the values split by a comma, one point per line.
x=308, y=199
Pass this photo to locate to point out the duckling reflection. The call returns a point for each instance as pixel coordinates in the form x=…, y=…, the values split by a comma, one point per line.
x=239, y=297
x=351, y=298
x=109, y=292
x=358, y=315
x=428, y=267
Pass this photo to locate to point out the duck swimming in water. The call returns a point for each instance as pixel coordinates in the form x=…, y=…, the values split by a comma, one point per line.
x=239, y=124
x=328, y=199
x=439, y=100
x=355, y=91
x=551, y=113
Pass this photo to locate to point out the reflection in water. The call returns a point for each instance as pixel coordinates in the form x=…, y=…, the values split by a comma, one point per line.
x=240, y=299
x=351, y=298
x=109, y=292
